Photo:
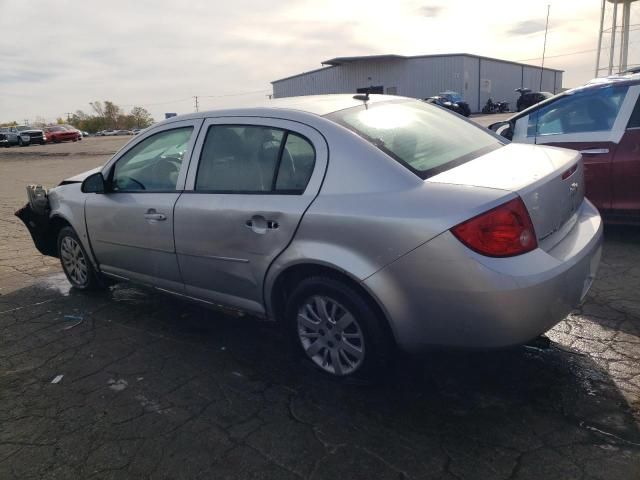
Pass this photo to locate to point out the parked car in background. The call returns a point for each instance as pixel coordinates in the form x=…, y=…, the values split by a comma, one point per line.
x=136, y=131
x=528, y=98
x=71, y=128
x=123, y=132
x=58, y=133
x=423, y=229
x=451, y=101
x=10, y=136
x=36, y=135
x=601, y=120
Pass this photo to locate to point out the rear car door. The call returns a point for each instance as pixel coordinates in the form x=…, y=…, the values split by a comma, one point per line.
x=247, y=189
x=589, y=121
x=130, y=226
x=625, y=169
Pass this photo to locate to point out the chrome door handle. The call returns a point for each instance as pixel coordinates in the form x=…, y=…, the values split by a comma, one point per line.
x=595, y=151
x=153, y=215
x=259, y=224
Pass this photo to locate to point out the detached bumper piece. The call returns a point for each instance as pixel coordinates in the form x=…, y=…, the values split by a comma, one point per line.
x=35, y=216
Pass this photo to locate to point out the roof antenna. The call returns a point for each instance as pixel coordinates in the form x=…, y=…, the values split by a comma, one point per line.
x=364, y=98
x=544, y=50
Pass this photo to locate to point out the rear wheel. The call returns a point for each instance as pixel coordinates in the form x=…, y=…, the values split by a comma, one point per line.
x=75, y=262
x=336, y=328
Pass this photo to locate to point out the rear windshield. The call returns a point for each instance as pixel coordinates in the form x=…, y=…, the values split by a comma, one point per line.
x=424, y=138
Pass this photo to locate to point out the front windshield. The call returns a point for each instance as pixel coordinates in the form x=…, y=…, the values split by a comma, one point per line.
x=420, y=136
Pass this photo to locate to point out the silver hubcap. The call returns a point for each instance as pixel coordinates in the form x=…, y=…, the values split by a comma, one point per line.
x=73, y=261
x=330, y=335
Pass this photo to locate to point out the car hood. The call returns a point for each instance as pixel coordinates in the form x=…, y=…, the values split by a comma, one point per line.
x=32, y=130
x=79, y=178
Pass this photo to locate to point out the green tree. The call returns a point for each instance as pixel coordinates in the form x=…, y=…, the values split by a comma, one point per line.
x=108, y=115
x=112, y=114
x=142, y=118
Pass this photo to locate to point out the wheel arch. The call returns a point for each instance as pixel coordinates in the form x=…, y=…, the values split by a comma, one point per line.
x=286, y=279
x=56, y=223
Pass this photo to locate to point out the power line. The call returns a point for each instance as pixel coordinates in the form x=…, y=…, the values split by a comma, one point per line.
x=235, y=94
x=157, y=103
x=568, y=54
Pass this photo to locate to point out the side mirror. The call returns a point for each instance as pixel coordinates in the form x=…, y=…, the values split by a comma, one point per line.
x=93, y=184
x=503, y=129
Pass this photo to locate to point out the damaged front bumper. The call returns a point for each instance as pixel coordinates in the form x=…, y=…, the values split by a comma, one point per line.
x=35, y=216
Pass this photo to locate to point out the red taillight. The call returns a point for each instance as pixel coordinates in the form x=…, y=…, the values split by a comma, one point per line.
x=504, y=231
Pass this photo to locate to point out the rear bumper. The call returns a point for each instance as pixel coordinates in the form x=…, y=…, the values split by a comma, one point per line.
x=443, y=294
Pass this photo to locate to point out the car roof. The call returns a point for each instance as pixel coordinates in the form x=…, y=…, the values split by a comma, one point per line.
x=319, y=105
x=625, y=78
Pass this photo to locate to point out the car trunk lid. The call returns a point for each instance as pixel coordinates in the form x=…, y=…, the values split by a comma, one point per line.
x=549, y=180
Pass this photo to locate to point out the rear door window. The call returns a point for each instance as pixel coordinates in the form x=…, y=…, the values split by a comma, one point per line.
x=634, y=121
x=254, y=159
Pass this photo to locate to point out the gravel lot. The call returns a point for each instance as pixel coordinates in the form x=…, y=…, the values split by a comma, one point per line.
x=156, y=388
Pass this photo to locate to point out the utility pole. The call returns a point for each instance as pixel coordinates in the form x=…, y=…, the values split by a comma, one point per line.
x=195, y=97
x=68, y=114
x=26, y=121
x=600, y=39
x=544, y=48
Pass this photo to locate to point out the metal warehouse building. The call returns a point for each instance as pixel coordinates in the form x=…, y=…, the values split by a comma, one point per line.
x=476, y=78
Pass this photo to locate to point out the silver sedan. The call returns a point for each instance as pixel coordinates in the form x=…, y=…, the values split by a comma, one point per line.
x=362, y=224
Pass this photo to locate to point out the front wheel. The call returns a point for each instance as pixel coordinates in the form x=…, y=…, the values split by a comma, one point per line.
x=337, y=329
x=75, y=262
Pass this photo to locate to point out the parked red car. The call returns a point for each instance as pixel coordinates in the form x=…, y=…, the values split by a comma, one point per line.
x=57, y=134
x=602, y=121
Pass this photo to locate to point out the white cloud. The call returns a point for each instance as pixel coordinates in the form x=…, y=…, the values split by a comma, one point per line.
x=57, y=60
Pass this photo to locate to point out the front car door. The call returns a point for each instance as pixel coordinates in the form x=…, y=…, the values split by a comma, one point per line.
x=590, y=120
x=130, y=226
x=248, y=186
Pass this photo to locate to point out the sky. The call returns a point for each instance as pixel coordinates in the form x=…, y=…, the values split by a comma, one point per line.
x=56, y=57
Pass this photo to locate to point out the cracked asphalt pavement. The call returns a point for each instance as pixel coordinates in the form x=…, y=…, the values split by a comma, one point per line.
x=152, y=387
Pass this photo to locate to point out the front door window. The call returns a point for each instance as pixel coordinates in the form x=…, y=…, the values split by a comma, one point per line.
x=153, y=164
x=593, y=110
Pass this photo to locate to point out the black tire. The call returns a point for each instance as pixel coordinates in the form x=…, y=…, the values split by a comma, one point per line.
x=378, y=345
x=20, y=142
x=91, y=280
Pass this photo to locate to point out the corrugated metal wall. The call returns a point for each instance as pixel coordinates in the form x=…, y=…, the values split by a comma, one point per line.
x=419, y=78
x=476, y=78
x=426, y=76
x=550, y=82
